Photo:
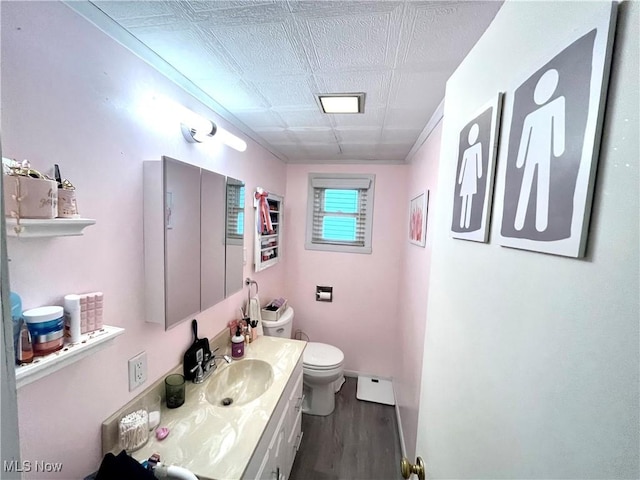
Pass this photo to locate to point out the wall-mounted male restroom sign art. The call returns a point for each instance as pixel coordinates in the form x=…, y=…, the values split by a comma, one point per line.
x=478, y=142
x=553, y=139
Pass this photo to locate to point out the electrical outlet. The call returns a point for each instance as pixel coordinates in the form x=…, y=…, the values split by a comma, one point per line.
x=137, y=370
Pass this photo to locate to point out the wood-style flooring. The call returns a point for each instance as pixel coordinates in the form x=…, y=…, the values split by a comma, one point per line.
x=358, y=441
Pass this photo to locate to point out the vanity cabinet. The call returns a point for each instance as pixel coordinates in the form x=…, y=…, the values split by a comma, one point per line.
x=268, y=243
x=276, y=451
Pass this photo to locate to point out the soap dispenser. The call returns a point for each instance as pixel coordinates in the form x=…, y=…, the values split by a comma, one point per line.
x=237, y=344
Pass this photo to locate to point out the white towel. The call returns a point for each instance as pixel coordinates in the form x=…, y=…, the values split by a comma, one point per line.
x=255, y=314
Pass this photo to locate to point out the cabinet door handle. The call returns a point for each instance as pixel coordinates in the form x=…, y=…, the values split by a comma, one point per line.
x=299, y=403
x=298, y=441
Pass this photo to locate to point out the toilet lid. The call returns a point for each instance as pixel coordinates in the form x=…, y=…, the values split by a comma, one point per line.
x=321, y=356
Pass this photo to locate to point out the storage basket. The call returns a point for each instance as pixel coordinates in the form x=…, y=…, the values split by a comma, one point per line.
x=273, y=315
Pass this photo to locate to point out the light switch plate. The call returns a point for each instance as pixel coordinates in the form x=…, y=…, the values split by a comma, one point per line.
x=137, y=370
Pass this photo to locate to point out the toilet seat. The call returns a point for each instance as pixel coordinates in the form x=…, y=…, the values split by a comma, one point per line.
x=321, y=357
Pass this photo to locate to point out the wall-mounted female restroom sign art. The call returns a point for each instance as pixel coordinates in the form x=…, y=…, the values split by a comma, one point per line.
x=553, y=141
x=478, y=142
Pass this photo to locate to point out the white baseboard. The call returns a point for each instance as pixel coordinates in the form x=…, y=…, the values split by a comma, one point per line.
x=355, y=374
x=403, y=447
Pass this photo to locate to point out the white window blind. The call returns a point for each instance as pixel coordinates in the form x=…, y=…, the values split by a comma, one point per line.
x=340, y=211
x=235, y=211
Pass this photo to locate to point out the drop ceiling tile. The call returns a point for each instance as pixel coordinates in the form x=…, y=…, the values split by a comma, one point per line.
x=313, y=136
x=371, y=118
x=126, y=10
x=304, y=118
x=279, y=136
x=393, y=151
x=233, y=93
x=292, y=150
x=410, y=89
x=358, y=150
x=258, y=119
x=263, y=49
x=342, y=8
x=441, y=33
x=369, y=136
x=322, y=150
x=287, y=91
x=350, y=42
x=407, y=118
x=216, y=14
x=190, y=54
x=397, y=135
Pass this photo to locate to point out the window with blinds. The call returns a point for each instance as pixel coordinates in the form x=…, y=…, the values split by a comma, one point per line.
x=340, y=212
x=235, y=211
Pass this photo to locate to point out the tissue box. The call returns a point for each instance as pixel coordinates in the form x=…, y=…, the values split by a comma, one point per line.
x=273, y=315
x=39, y=197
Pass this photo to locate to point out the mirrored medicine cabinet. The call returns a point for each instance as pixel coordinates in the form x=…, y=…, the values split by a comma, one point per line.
x=193, y=239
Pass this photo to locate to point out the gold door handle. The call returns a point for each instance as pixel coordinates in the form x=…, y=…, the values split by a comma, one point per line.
x=406, y=468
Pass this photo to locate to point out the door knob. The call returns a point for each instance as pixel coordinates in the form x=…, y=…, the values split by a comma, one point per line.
x=406, y=468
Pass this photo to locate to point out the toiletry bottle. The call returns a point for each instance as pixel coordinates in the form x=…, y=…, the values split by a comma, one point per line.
x=16, y=316
x=237, y=344
x=24, y=352
x=248, y=335
x=72, y=317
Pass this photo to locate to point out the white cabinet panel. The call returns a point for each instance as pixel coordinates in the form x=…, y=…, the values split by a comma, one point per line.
x=274, y=455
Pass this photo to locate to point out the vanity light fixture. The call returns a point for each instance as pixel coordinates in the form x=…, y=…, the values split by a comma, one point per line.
x=197, y=129
x=341, y=102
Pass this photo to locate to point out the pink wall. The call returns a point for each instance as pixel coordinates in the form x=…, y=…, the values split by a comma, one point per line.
x=414, y=289
x=363, y=319
x=73, y=96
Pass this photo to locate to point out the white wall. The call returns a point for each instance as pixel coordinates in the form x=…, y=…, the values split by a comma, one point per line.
x=531, y=360
x=363, y=318
x=414, y=288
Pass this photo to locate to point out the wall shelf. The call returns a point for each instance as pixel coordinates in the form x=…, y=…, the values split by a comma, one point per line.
x=268, y=245
x=89, y=344
x=54, y=227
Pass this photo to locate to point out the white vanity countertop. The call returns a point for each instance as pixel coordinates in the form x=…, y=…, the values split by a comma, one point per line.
x=216, y=442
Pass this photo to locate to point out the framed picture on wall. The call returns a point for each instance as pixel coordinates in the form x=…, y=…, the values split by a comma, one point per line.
x=553, y=131
x=477, y=147
x=418, y=219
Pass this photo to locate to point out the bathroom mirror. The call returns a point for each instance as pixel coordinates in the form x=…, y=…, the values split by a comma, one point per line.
x=193, y=239
x=182, y=240
x=212, y=240
x=234, y=237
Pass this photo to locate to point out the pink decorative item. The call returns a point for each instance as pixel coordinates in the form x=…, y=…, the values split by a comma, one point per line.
x=161, y=433
x=264, y=218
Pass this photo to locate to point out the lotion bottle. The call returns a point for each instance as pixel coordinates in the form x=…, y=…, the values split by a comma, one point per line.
x=72, y=317
x=237, y=344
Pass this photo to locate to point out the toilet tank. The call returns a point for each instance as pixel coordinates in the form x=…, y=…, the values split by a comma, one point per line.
x=281, y=327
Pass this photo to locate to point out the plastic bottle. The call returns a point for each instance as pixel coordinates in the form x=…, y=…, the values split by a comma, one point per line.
x=16, y=316
x=237, y=344
x=72, y=317
x=24, y=352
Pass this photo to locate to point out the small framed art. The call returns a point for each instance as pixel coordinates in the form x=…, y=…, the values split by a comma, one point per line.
x=418, y=219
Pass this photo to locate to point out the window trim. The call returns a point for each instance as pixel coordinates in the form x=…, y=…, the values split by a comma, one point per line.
x=340, y=181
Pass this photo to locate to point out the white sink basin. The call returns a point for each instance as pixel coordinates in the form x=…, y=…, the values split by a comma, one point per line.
x=239, y=383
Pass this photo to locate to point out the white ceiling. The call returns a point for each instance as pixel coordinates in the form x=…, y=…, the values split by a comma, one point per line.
x=264, y=61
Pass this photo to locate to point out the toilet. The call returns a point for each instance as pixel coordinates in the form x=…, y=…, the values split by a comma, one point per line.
x=322, y=369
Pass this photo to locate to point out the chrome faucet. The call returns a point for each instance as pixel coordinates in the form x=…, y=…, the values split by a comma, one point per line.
x=207, y=367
